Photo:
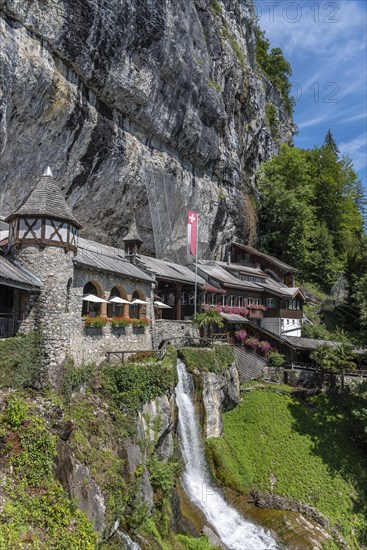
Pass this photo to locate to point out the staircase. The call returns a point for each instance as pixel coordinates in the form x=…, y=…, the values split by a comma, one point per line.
x=249, y=365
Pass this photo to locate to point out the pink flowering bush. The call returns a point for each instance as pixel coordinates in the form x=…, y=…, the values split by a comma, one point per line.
x=240, y=335
x=252, y=343
x=265, y=347
x=259, y=307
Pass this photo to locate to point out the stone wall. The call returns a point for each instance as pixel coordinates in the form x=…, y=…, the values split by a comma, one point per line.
x=48, y=311
x=165, y=329
x=88, y=345
x=56, y=310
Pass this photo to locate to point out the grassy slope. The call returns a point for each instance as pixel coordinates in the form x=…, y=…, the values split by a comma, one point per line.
x=309, y=450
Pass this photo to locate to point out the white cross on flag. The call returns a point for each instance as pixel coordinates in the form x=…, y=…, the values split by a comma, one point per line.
x=192, y=220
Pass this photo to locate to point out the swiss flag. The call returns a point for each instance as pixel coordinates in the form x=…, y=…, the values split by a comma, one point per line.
x=192, y=220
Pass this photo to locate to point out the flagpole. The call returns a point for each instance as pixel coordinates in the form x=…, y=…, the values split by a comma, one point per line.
x=196, y=264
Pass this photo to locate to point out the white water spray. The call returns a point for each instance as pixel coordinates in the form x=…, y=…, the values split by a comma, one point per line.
x=233, y=530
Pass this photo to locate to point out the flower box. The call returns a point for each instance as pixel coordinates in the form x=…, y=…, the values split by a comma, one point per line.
x=120, y=322
x=94, y=322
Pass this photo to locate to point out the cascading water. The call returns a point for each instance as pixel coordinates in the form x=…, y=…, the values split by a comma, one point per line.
x=233, y=530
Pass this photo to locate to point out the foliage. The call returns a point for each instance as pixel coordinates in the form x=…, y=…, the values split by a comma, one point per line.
x=201, y=543
x=209, y=318
x=140, y=322
x=240, y=335
x=312, y=452
x=94, y=322
x=310, y=211
x=226, y=33
x=356, y=275
x=20, y=361
x=218, y=89
x=252, y=343
x=276, y=359
x=275, y=67
x=120, y=322
x=36, y=512
x=16, y=411
x=213, y=360
x=271, y=117
x=131, y=385
x=216, y=8
x=73, y=378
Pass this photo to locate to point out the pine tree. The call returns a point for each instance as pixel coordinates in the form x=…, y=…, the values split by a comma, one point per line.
x=330, y=143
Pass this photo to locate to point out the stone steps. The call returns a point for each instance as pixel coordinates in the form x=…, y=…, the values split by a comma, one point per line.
x=249, y=365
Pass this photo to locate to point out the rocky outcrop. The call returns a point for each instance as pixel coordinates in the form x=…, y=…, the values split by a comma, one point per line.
x=220, y=391
x=77, y=482
x=156, y=423
x=157, y=105
x=277, y=502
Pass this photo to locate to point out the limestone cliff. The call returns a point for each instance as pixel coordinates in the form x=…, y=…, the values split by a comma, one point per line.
x=157, y=104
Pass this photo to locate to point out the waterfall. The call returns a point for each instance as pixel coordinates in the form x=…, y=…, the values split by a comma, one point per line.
x=233, y=530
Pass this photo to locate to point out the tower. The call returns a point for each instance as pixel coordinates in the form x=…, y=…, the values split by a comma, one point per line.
x=132, y=241
x=43, y=237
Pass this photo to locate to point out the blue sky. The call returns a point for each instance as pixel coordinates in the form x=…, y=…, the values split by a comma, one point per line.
x=325, y=43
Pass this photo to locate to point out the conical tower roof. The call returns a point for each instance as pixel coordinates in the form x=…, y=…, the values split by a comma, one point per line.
x=46, y=200
x=133, y=234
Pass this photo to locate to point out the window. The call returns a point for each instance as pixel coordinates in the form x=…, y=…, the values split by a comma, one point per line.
x=67, y=300
x=250, y=301
x=270, y=303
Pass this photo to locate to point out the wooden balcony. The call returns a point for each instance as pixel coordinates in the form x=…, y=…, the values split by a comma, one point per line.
x=256, y=314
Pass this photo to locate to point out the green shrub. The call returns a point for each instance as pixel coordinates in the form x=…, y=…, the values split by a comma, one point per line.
x=20, y=361
x=276, y=359
x=16, y=411
x=213, y=360
x=35, y=511
x=216, y=8
x=74, y=377
x=190, y=543
x=131, y=385
x=271, y=118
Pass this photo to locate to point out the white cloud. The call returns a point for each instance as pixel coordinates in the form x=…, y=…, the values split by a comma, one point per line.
x=357, y=150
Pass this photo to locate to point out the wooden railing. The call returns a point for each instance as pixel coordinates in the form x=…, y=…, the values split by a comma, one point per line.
x=312, y=367
x=178, y=342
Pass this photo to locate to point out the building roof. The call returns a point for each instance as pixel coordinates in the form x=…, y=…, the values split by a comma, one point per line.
x=12, y=274
x=278, y=263
x=133, y=234
x=167, y=270
x=216, y=272
x=107, y=258
x=281, y=290
x=308, y=343
x=255, y=272
x=47, y=200
x=233, y=318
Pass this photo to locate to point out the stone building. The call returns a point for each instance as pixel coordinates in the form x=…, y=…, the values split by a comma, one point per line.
x=45, y=270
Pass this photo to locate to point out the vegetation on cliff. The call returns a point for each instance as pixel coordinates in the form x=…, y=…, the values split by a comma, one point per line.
x=36, y=512
x=313, y=452
x=89, y=420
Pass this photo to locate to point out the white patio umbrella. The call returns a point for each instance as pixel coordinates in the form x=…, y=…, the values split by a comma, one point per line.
x=95, y=299
x=137, y=301
x=161, y=305
x=118, y=300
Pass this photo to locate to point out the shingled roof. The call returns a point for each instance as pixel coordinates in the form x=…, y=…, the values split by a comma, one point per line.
x=133, y=234
x=278, y=263
x=47, y=200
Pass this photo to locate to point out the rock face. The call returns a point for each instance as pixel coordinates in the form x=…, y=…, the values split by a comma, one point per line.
x=155, y=104
x=220, y=391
